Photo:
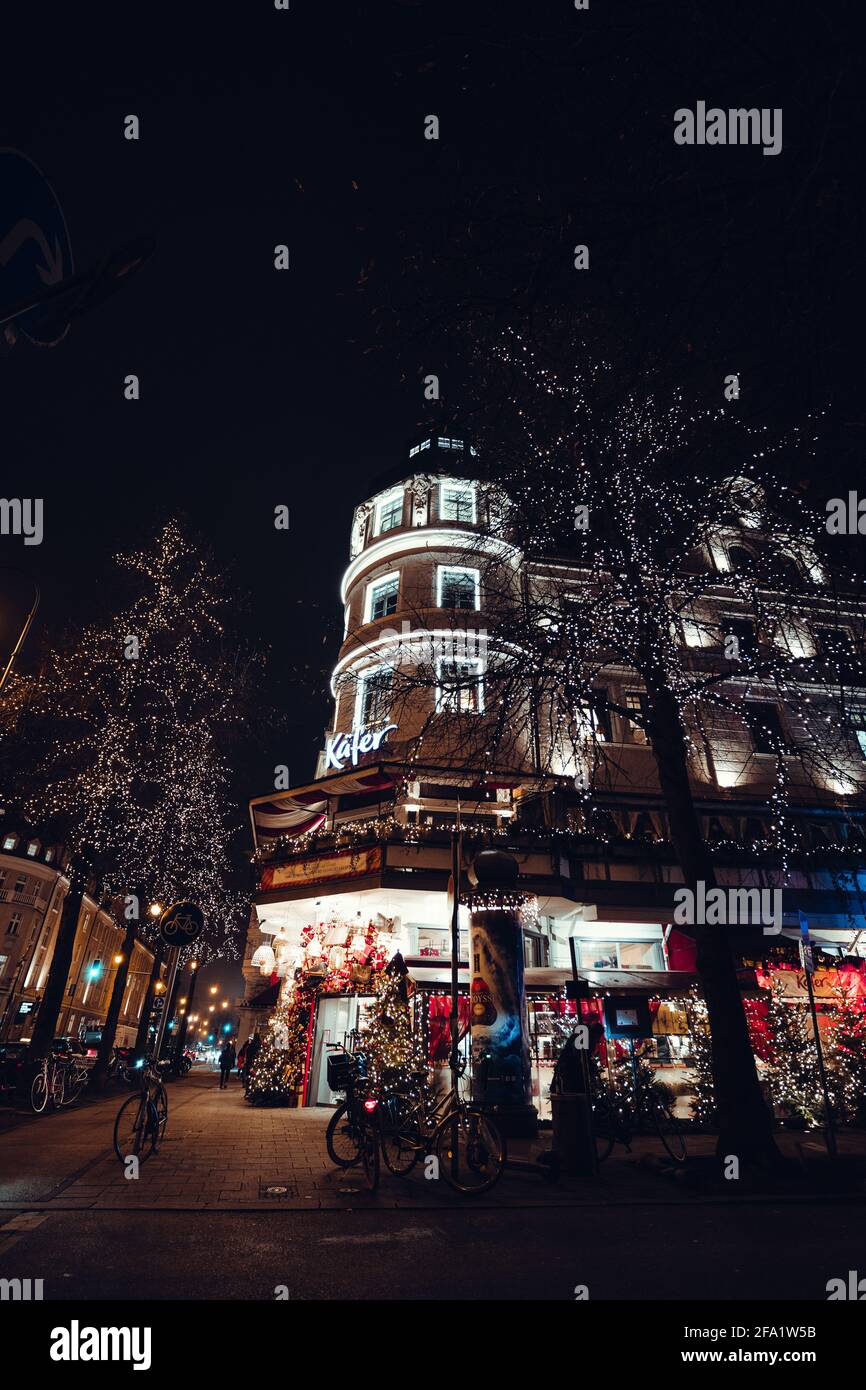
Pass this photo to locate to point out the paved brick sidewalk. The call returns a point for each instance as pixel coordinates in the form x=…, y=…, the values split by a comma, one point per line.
x=221, y=1153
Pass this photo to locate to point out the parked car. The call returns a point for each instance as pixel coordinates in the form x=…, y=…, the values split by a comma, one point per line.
x=12, y=1062
x=74, y=1048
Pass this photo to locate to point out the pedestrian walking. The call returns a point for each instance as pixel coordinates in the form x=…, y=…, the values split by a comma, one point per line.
x=253, y=1047
x=226, y=1061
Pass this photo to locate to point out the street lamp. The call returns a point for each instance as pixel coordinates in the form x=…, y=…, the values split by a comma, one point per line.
x=155, y=909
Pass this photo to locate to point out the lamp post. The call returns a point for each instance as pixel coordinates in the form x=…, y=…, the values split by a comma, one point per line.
x=187, y=1017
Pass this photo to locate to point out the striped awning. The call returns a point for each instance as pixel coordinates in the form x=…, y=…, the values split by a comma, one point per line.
x=297, y=811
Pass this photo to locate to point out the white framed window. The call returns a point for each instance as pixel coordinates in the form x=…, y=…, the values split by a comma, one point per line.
x=382, y=597
x=457, y=502
x=373, y=700
x=4, y=961
x=32, y=849
x=457, y=587
x=416, y=448
x=445, y=443
x=13, y=924
x=619, y=955
x=10, y=841
x=460, y=687
x=389, y=512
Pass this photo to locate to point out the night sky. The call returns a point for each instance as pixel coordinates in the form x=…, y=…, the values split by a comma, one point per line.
x=261, y=127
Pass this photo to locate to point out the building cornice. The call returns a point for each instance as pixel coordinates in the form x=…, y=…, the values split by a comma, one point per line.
x=424, y=539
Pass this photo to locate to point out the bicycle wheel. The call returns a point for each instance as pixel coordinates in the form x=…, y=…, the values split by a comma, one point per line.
x=470, y=1150
x=670, y=1131
x=73, y=1085
x=342, y=1138
x=400, y=1136
x=130, y=1129
x=158, y=1117
x=370, y=1157
x=39, y=1092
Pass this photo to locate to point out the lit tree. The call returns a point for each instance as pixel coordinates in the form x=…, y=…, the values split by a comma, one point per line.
x=278, y=1071
x=704, y=1107
x=121, y=743
x=388, y=1041
x=845, y=1042
x=795, y=1078
x=625, y=506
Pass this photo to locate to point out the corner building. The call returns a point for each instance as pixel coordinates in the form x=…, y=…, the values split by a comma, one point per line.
x=362, y=853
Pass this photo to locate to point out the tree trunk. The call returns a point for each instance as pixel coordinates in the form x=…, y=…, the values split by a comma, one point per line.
x=144, y=1021
x=58, y=974
x=99, y=1075
x=745, y=1123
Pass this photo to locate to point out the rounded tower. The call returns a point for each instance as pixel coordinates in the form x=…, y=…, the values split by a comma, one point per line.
x=430, y=569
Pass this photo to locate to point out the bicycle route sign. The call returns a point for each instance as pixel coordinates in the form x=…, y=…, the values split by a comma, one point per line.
x=181, y=924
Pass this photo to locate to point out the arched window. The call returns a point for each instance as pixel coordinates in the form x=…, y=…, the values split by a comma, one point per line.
x=788, y=570
x=740, y=558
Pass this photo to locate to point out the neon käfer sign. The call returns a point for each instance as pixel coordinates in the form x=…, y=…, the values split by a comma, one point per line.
x=343, y=747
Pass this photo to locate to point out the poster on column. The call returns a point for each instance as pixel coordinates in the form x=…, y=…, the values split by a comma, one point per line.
x=500, y=1047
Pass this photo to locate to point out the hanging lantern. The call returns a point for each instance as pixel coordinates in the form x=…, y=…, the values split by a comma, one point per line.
x=264, y=959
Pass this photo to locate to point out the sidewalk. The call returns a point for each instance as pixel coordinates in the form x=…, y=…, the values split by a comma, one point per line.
x=222, y=1154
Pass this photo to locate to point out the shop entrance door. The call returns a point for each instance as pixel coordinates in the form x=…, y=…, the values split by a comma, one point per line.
x=337, y=1018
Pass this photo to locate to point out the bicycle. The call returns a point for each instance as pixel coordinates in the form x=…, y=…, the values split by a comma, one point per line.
x=468, y=1146
x=615, y=1121
x=142, y=1118
x=344, y=1135
x=75, y=1078
x=48, y=1084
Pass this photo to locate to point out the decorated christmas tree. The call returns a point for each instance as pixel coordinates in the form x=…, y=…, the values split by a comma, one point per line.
x=279, y=1068
x=795, y=1079
x=846, y=1050
x=388, y=1041
x=704, y=1105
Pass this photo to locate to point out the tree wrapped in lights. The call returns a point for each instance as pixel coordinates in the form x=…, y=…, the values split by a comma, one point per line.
x=120, y=749
x=389, y=1043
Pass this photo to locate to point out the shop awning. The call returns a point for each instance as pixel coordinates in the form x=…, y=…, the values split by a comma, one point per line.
x=304, y=808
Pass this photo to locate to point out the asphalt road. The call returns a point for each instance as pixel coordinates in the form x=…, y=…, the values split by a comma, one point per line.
x=662, y=1252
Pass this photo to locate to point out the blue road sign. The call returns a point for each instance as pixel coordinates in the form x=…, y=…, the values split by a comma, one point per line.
x=35, y=254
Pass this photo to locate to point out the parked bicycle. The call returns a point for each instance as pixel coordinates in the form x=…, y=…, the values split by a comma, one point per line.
x=346, y=1072
x=47, y=1085
x=467, y=1144
x=616, y=1121
x=139, y=1128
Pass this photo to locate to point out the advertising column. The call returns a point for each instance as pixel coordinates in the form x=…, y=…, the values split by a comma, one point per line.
x=501, y=1066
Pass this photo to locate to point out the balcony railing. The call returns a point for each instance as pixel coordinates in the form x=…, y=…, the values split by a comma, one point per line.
x=9, y=895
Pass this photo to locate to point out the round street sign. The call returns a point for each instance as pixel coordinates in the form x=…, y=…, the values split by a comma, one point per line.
x=35, y=253
x=181, y=924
